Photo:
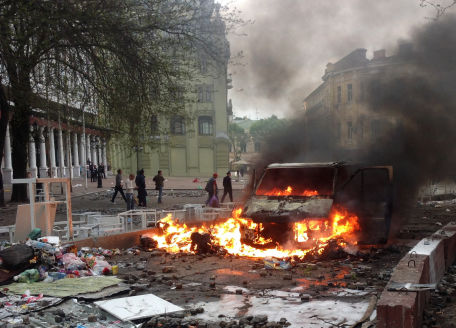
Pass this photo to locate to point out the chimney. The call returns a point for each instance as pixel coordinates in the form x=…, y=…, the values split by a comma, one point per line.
x=379, y=54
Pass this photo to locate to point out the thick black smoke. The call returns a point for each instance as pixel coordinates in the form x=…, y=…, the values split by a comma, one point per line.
x=416, y=100
x=290, y=42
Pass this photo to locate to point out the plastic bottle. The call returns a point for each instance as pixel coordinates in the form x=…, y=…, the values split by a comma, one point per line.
x=56, y=275
x=28, y=276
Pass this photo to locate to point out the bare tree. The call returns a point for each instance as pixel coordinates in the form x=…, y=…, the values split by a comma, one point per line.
x=439, y=7
x=124, y=51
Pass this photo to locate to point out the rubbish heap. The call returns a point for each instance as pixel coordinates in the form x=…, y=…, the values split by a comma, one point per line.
x=46, y=260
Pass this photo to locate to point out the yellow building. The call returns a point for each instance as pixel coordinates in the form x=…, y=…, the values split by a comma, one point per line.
x=197, y=146
x=341, y=100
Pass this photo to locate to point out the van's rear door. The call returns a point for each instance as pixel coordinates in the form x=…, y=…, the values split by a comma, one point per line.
x=368, y=193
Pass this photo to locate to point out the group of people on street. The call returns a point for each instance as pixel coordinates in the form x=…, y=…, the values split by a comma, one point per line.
x=96, y=173
x=137, y=183
x=212, y=189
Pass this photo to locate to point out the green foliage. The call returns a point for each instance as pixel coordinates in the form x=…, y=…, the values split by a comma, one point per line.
x=266, y=127
x=235, y=130
x=120, y=59
x=238, y=137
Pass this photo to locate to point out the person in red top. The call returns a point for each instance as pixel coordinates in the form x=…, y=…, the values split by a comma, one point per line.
x=211, y=188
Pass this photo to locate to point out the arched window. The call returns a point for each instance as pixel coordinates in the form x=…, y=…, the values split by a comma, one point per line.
x=154, y=125
x=177, y=125
x=205, y=126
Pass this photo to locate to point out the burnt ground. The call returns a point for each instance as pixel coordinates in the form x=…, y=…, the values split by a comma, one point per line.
x=187, y=279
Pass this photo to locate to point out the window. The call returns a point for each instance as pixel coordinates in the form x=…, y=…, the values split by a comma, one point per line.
x=339, y=94
x=349, y=130
x=257, y=147
x=154, y=125
x=208, y=93
x=338, y=129
x=177, y=93
x=200, y=93
x=204, y=93
x=177, y=125
x=349, y=93
x=203, y=65
x=205, y=126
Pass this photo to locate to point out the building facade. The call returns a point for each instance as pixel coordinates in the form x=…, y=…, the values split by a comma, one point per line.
x=58, y=148
x=341, y=100
x=196, y=146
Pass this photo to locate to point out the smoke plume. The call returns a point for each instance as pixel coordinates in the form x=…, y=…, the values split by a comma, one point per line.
x=416, y=100
x=290, y=42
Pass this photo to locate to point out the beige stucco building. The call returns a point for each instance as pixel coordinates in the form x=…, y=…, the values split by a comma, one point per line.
x=198, y=145
x=341, y=99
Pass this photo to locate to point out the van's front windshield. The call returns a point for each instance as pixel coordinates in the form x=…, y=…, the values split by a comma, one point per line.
x=315, y=181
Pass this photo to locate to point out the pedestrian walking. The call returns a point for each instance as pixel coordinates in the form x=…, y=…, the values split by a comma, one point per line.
x=99, y=178
x=159, y=184
x=212, y=191
x=119, y=186
x=130, y=187
x=92, y=172
x=102, y=167
x=227, y=187
x=141, y=186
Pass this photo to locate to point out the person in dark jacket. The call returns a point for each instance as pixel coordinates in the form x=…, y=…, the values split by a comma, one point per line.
x=102, y=168
x=99, y=178
x=92, y=169
x=227, y=187
x=141, y=185
x=119, y=186
x=159, y=184
x=211, y=188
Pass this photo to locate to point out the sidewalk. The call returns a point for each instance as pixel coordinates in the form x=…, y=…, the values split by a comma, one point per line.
x=171, y=183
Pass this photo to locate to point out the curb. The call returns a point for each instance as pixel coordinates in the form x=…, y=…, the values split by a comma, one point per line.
x=425, y=263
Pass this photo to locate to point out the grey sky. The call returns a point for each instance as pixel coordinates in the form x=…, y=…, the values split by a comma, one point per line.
x=287, y=47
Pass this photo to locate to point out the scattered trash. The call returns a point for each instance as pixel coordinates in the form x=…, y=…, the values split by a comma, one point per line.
x=53, y=240
x=271, y=263
x=14, y=305
x=35, y=234
x=28, y=276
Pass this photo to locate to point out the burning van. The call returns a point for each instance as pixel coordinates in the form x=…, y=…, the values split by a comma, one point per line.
x=296, y=201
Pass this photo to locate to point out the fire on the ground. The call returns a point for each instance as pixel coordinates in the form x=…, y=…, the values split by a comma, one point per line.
x=295, y=210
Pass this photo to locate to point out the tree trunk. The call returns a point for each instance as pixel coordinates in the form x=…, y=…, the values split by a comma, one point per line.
x=4, y=116
x=20, y=132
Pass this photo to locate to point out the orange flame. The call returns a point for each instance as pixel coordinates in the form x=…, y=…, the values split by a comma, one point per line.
x=309, y=235
x=288, y=191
